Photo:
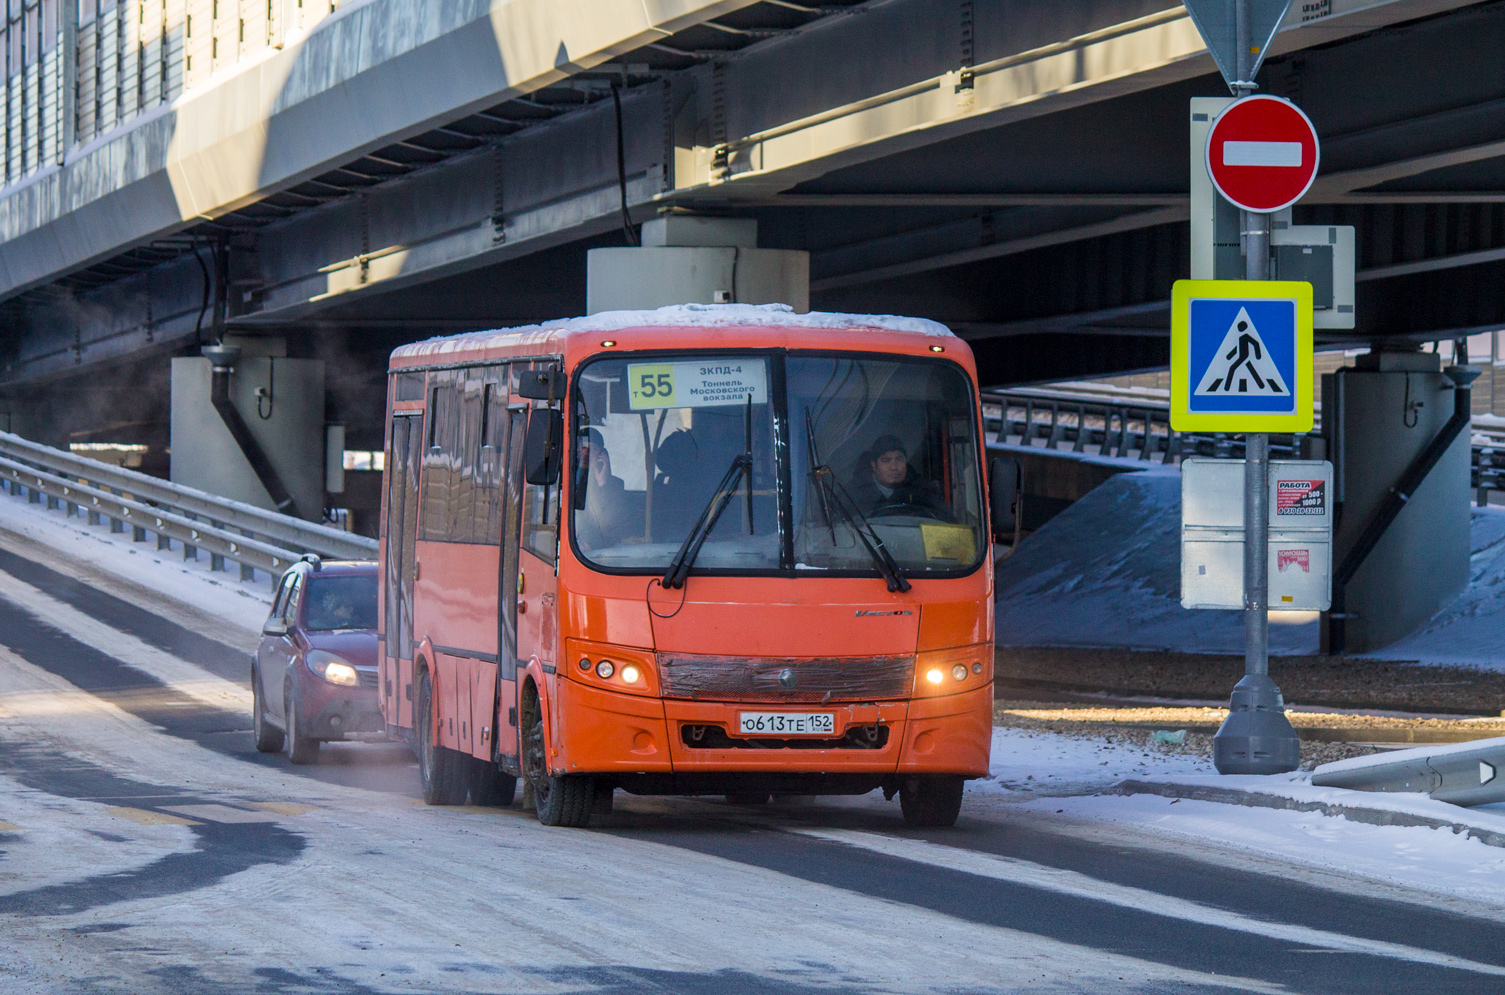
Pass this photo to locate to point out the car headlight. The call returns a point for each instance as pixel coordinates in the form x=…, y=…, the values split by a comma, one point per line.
x=332, y=668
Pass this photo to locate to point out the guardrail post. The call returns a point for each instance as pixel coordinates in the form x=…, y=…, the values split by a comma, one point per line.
x=52, y=503
x=216, y=561
x=190, y=552
x=116, y=525
x=246, y=571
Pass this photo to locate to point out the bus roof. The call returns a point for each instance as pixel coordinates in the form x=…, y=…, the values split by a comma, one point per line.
x=678, y=316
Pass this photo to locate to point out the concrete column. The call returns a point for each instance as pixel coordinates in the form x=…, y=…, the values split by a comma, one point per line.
x=1377, y=417
x=693, y=260
x=281, y=400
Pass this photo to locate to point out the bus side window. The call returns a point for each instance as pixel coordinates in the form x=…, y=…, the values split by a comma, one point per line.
x=541, y=520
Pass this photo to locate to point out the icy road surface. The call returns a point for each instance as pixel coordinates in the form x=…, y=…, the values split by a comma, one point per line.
x=146, y=847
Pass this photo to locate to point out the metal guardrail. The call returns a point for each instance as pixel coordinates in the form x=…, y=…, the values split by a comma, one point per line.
x=227, y=530
x=1101, y=424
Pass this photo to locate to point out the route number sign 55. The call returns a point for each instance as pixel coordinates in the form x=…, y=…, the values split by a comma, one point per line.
x=700, y=384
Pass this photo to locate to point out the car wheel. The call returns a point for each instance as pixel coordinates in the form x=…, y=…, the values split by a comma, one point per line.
x=934, y=800
x=748, y=797
x=559, y=799
x=301, y=748
x=268, y=736
x=488, y=785
x=442, y=776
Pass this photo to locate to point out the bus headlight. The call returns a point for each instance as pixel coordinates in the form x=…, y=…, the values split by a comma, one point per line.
x=605, y=669
x=934, y=675
x=631, y=674
x=959, y=672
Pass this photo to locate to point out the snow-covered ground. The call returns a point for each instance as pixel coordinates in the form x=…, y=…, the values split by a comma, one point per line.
x=1106, y=572
x=1052, y=774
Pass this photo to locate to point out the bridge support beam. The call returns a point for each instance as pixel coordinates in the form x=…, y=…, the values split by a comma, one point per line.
x=1377, y=418
x=693, y=260
x=281, y=402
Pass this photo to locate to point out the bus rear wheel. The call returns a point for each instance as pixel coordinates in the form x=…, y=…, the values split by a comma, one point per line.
x=440, y=770
x=931, y=800
x=559, y=799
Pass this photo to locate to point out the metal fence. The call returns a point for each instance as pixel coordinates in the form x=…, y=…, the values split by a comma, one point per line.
x=1104, y=423
x=227, y=530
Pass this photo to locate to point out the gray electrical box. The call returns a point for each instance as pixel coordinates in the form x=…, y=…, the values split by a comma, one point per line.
x=1212, y=534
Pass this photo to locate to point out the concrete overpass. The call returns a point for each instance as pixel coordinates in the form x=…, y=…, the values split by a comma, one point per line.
x=1014, y=168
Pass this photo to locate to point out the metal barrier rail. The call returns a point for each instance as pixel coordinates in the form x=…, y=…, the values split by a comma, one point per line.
x=227, y=530
x=1089, y=421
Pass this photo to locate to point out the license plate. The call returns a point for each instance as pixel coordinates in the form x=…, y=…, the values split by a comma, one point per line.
x=786, y=723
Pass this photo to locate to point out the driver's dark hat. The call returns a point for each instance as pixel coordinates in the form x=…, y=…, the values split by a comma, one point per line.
x=886, y=444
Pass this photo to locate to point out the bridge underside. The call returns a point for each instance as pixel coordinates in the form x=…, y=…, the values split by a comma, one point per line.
x=1016, y=171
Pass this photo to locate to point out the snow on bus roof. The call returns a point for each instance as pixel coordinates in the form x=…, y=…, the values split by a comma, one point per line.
x=678, y=315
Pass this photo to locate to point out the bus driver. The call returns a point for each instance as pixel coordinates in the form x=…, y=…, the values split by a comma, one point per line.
x=889, y=482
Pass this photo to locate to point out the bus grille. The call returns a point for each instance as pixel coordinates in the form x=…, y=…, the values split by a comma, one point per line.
x=826, y=679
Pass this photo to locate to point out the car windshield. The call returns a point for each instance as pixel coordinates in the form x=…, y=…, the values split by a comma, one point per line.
x=886, y=441
x=654, y=439
x=895, y=441
x=347, y=602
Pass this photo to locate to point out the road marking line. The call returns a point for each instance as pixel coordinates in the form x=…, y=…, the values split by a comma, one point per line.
x=1063, y=882
x=9, y=827
x=283, y=808
x=149, y=818
x=220, y=813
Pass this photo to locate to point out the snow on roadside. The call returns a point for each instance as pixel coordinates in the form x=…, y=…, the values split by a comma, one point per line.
x=1051, y=774
x=222, y=595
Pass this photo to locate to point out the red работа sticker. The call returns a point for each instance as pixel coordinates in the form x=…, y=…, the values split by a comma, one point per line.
x=1300, y=497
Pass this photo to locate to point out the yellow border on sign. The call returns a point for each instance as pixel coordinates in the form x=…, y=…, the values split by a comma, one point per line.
x=1182, y=294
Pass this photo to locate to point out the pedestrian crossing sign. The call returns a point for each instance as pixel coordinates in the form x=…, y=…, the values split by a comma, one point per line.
x=1241, y=356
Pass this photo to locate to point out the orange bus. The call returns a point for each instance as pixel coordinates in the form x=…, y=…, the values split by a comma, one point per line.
x=701, y=550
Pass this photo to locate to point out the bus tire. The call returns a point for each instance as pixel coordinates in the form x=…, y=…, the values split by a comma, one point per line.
x=488, y=786
x=559, y=799
x=268, y=736
x=931, y=800
x=440, y=770
x=301, y=749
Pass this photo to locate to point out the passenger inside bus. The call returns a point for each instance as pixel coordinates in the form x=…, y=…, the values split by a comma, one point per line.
x=610, y=514
x=888, y=485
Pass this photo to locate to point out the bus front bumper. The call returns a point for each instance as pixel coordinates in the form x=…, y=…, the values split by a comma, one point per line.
x=605, y=732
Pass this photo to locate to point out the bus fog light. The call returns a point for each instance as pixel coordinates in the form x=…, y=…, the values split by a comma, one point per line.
x=976, y=668
x=934, y=675
x=585, y=664
x=630, y=674
x=959, y=672
x=605, y=669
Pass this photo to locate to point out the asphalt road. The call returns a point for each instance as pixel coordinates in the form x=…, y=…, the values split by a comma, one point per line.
x=146, y=847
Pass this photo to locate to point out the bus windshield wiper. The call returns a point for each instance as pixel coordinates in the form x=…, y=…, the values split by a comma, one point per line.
x=833, y=495
x=679, y=567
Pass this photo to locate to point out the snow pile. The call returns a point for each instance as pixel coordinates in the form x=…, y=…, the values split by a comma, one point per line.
x=1106, y=572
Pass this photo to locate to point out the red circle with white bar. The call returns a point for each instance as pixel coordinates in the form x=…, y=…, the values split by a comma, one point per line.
x=1262, y=154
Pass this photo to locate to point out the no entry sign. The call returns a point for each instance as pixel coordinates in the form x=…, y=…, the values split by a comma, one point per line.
x=1262, y=154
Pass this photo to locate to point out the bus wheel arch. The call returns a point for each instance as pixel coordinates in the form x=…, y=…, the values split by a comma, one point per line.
x=558, y=799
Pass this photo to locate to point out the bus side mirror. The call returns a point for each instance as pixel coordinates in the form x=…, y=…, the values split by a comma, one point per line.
x=1005, y=481
x=541, y=450
x=541, y=385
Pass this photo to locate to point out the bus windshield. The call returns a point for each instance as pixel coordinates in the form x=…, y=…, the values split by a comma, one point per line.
x=882, y=444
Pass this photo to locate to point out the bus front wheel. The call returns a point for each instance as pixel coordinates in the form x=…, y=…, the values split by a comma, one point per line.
x=931, y=800
x=560, y=799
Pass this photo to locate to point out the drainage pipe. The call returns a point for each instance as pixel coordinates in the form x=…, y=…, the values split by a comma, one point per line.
x=222, y=360
x=1400, y=495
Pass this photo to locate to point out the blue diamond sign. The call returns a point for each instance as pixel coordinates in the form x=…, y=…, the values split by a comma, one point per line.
x=1241, y=356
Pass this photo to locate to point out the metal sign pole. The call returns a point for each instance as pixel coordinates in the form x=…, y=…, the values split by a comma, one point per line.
x=1256, y=738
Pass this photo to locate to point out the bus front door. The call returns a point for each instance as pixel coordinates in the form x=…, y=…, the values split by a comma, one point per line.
x=402, y=538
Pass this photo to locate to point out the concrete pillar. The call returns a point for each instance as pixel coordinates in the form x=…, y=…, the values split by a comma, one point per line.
x=281, y=400
x=1377, y=417
x=693, y=260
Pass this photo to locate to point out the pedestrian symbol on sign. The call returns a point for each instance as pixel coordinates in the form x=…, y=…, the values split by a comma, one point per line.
x=1243, y=365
